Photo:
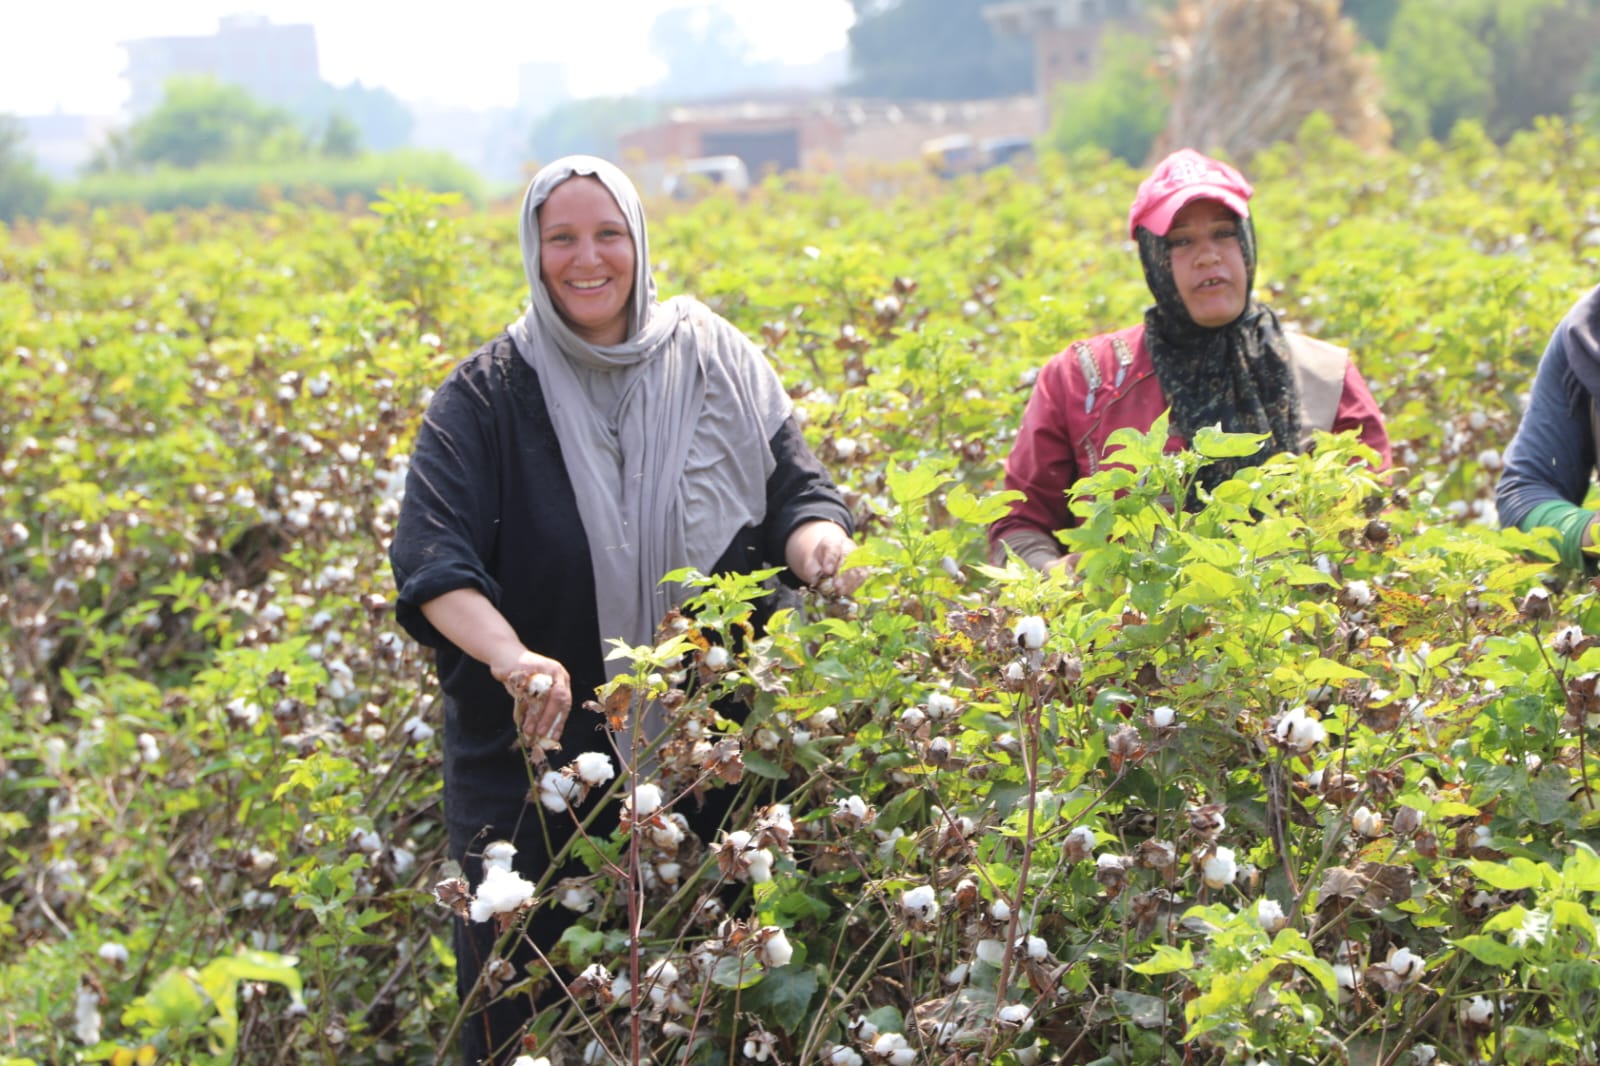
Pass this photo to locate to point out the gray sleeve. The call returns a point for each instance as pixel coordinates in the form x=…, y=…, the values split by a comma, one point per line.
x=1553, y=453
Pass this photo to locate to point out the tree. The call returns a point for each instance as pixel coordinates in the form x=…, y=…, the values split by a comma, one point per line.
x=705, y=51
x=24, y=189
x=381, y=121
x=1500, y=62
x=590, y=126
x=1250, y=72
x=1372, y=18
x=936, y=50
x=340, y=137
x=1122, y=109
x=201, y=120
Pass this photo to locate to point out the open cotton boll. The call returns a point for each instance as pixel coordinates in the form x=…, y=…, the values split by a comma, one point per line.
x=499, y=854
x=594, y=768
x=920, y=903
x=1219, y=868
x=501, y=892
x=775, y=947
x=1031, y=632
x=557, y=791
x=647, y=799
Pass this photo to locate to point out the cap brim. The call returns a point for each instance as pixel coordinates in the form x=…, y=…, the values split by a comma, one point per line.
x=1158, y=218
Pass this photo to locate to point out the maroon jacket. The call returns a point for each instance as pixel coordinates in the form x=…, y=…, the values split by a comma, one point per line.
x=1094, y=388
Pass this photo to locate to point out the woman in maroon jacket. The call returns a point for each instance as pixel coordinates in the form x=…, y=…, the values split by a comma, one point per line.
x=1205, y=349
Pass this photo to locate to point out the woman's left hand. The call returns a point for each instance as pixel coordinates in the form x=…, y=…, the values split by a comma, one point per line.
x=814, y=551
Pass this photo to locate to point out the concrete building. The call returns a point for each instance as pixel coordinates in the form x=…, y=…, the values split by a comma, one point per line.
x=1066, y=34
x=275, y=63
x=813, y=133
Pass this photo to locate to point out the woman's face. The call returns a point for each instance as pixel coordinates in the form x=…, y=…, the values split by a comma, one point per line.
x=1208, y=262
x=586, y=259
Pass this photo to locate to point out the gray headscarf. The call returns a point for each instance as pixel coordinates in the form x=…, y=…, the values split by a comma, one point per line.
x=664, y=436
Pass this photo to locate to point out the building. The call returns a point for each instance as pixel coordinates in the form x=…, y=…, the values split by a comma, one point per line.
x=1066, y=34
x=275, y=63
x=804, y=132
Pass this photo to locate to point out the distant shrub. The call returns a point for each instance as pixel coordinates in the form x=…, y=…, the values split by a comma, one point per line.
x=258, y=186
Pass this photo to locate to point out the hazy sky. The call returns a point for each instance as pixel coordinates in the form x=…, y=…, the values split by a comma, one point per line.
x=64, y=53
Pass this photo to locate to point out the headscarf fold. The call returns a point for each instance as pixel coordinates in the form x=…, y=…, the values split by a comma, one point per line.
x=665, y=437
x=1237, y=376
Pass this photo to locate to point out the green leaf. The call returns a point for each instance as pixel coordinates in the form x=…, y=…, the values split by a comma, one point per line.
x=735, y=971
x=579, y=945
x=1514, y=874
x=979, y=511
x=1213, y=443
x=1489, y=950
x=1166, y=959
x=783, y=998
x=910, y=484
x=1320, y=669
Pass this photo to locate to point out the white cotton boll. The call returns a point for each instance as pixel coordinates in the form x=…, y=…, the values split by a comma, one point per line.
x=366, y=840
x=86, y=1015
x=557, y=790
x=1424, y=1055
x=1344, y=975
x=1031, y=632
x=1477, y=1010
x=349, y=452
x=920, y=903
x=824, y=720
x=666, y=834
x=577, y=896
x=940, y=705
x=499, y=853
x=776, y=949
x=1406, y=964
x=912, y=718
x=149, y=750
x=647, y=799
x=594, y=768
x=113, y=953
x=716, y=657
x=1163, y=717
x=669, y=872
x=1299, y=730
x=841, y=1055
x=1358, y=594
x=1000, y=910
x=1015, y=1016
x=1565, y=641
x=1016, y=672
x=594, y=1053
x=243, y=711
x=404, y=861
x=759, y=866
x=1270, y=914
x=416, y=730
x=888, y=1043
x=529, y=1060
x=1219, y=870
x=992, y=952
x=501, y=892
x=958, y=975
x=1034, y=947
x=1367, y=822
x=1080, y=840
x=1029, y=1056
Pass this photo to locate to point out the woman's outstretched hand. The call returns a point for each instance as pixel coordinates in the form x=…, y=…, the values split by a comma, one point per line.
x=814, y=552
x=543, y=694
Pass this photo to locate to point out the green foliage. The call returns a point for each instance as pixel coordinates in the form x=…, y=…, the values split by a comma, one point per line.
x=935, y=50
x=381, y=121
x=1121, y=110
x=24, y=189
x=1319, y=683
x=329, y=180
x=1502, y=63
x=201, y=120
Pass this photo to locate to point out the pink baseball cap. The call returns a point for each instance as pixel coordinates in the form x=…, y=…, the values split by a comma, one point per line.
x=1182, y=177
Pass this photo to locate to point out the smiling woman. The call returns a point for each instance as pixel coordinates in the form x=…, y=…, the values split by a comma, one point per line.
x=604, y=440
x=1205, y=351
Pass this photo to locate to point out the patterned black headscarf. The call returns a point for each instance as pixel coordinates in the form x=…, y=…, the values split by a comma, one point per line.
x=1237, y=375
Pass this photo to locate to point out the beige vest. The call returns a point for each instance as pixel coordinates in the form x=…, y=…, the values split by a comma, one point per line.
x=1319, y=369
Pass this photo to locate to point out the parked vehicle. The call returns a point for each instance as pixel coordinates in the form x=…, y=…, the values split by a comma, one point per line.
x=698, y=176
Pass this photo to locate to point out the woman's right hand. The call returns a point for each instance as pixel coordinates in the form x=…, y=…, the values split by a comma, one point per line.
x=543, y=694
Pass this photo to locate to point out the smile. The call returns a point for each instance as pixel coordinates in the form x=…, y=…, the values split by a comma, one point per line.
x=589, y=284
